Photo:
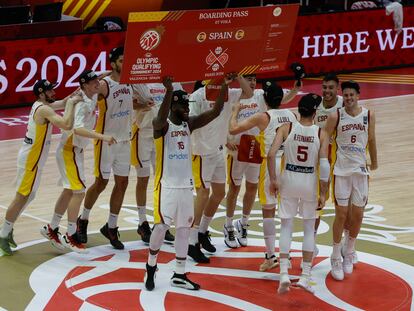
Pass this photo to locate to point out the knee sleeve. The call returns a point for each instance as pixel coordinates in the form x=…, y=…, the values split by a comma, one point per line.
x=157, y=236
x=285, y=235
x=309, y=235
x=181, y=242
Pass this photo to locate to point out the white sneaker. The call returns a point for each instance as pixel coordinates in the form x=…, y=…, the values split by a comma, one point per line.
x=269, y=263
x=284, y=283
x=337, y=271
x=348, y=266
x=305, y=282
x=229, y=237
x=71, y=242
x=241, y=233
x=53, y=236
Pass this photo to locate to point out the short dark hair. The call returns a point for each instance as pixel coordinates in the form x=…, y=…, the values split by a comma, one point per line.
x=350, y=85
x=273, y=94
x=115, y=53
x=308, y=104
x=331, y=77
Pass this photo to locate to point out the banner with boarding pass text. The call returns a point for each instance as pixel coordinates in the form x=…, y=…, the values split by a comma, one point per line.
x=206, y=44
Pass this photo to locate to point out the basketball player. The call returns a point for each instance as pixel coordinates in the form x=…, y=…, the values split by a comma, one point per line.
x=355, y=131
x=150, y=97
x=267, y=123
x=70, y=159
x=208, y=165
x=115, y=112
x=34, y=152
x=305, y=149
x=331, y=101
x=173, y=195
x=249, y=105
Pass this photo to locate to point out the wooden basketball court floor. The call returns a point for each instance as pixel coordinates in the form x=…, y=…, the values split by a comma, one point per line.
x=388, y=229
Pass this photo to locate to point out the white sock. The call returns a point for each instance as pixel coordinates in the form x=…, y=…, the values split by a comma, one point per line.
x=112, y=220
x=6, y=229
x=71, y=228
x=350, y=246
x=229, y=222
x=85, y=214
x=180, y=266
x=194, y=235
x=142, y=214
x=284, y=265
x=306, y=267
x=55, y=221
x=346, y=235
x=204, y=223
x=152, y=259
x=336, y=253
x=269, y=232
x=245, y=219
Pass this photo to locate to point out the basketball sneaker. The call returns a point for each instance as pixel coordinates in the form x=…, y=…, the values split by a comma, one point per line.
x=112, y=235
x=12, y=243
x=229, y=238
x=82, y=229
x=53, y=235
x=347, y=264
x=195, y=252
x=181, y=280
x=144, y=231
x=337, y=270
x=205, y=241
x=169, y=238
x=241, y=233
x=72, y=242
x=269, y=263
x=305, y=282
x=149, y=278
x=5, y=249
x=284, y=283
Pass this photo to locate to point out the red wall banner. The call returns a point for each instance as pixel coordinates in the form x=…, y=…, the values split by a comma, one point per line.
x=326, y=42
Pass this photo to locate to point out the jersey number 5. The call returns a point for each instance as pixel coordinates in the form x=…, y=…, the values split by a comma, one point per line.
x=302, y=153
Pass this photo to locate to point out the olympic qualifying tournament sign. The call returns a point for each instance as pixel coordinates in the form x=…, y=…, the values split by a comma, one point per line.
x=195, y=45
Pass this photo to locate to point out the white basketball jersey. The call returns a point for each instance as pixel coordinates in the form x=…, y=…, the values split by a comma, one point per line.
x=249, y=107
x=211, y=137
x=277, y=117
x=299, y=177
x=156, y=92
x=84, y=117
x=35, y=149
x=351, y=143
x=322, y=113
x=115, y=111
x=173, y=166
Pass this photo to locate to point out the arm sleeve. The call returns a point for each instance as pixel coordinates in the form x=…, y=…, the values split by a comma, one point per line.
x=324, y=169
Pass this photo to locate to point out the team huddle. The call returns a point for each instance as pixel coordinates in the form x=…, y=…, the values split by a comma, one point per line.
x=290, y=161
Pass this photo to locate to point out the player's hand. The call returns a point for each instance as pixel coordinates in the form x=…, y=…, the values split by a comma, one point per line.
x=297, y=85
x=229, y=77
x=273, y=187
x=144, y=106
x=73, y=100
x=321, y=202
x=373, y=166
x=167, y=82
x=109, y=139
x=231, y=146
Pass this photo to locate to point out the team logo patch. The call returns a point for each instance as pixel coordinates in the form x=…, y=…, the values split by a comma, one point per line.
x=150, y=39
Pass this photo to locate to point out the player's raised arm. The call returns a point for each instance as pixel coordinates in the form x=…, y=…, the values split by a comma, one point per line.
x=206, y=117
x=160, y=121
x=65, y=122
